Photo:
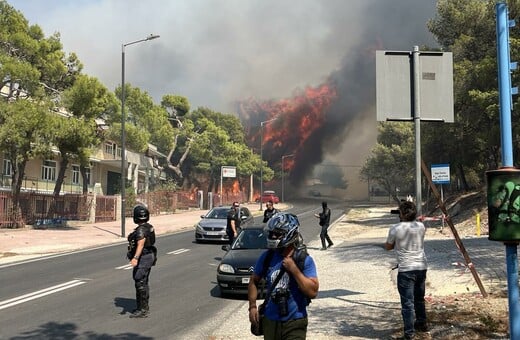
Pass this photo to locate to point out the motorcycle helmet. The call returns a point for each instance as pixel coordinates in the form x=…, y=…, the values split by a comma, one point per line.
x=141, y=214
x=282, y=230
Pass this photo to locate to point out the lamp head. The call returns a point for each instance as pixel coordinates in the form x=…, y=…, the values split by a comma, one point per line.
x=152, y=36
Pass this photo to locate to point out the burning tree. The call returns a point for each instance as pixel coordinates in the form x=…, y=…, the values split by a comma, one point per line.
x=207, y=141
x=296, y=128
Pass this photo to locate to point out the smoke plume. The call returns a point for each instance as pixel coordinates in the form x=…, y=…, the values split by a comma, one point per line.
x=343, y=99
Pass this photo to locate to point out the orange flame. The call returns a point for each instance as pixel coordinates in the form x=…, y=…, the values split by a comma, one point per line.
x=294, y=120
x=288, y=164
x=235, y=189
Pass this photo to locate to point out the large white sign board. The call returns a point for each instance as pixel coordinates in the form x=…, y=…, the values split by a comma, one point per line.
x=394, y=86
x=229, y=171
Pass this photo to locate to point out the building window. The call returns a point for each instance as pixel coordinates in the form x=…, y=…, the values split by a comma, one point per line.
x=109, y=148
x=49, y=171
x=7, y=167
x=75, y=174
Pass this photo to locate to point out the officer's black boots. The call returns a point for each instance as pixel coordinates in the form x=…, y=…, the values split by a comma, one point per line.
x=137, y=302
x=139, y=314
x=142, y=305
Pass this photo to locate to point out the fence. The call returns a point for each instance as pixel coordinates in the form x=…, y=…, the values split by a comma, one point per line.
x=43, y=208
x=106, y=208
x=229, y=198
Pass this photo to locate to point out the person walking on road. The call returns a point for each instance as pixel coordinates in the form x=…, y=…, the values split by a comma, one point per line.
x=407, y=238
x=269, y=211
x=324, y=217
x=233, y=222
x=142, y=255
x=291, y=277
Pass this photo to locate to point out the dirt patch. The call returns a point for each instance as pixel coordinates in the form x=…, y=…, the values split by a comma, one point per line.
x=8, y=254
x=468, y=316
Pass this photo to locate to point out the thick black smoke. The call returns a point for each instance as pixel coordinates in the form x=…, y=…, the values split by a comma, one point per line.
x=385, y=28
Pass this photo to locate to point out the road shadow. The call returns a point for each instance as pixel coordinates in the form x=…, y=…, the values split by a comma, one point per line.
x=69, y=331
x=335, y=293
x=127, y=305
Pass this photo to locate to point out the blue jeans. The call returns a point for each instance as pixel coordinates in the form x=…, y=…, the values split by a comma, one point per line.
x=411, y=286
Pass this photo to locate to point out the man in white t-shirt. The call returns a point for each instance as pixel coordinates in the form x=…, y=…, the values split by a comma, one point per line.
x=407, y=238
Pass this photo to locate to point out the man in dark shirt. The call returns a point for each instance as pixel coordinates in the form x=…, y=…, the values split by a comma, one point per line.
x=324, y=217
x=233, y=222
x=269, y=211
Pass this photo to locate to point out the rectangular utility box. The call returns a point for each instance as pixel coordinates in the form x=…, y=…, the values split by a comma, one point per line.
x=503, y=192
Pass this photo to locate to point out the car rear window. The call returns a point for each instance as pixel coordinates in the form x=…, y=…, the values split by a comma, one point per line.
x=251, y=239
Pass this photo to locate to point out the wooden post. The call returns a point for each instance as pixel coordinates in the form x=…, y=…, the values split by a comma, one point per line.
x=454, y=231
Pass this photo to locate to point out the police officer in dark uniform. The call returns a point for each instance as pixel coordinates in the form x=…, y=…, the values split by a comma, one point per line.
x=269, y=211
x=233, y=222
x=324, y=217
x=142, y=255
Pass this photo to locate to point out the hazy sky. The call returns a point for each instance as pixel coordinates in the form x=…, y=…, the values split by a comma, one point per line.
x=220, y=52
x=215, y=52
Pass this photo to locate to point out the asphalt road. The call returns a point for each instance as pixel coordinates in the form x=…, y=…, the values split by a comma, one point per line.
x=89, y=294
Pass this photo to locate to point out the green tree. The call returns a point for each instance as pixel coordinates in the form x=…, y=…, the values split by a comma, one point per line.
x=33, y=70
x=24, y=135
x=76, y=135
x=177, y=106
x=209, y=140
x=471, y=144
x=137, y=103
x=145, y=122
x=391, y=163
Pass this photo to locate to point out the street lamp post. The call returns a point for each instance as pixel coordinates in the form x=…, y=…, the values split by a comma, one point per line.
x=283, y=170
x=123, y=133
x=262, y=157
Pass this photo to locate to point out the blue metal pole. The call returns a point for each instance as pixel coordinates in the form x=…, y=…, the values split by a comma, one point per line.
x=505, y=101
x=504, y=85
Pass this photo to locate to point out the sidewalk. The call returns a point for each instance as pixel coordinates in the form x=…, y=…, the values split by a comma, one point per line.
x=358, y=298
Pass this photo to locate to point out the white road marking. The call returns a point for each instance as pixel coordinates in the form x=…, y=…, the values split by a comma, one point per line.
x=125, y=267
x=40, y=293
x=178, y=251
x=174, y=252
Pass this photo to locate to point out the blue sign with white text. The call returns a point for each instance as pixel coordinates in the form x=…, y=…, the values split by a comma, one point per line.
x=441, y=173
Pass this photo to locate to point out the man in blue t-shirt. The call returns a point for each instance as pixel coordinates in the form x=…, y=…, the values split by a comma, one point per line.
x=291, y=279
